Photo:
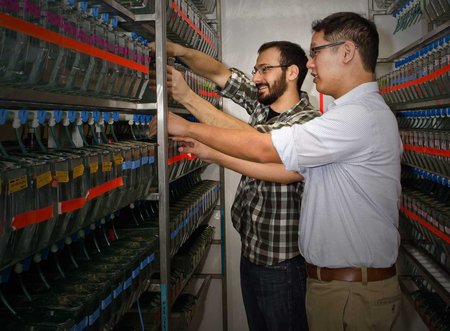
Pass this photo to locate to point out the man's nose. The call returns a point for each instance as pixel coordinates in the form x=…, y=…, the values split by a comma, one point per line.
x=257, y=77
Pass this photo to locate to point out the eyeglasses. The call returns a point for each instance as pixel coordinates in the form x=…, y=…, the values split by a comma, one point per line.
x=265, y=69
x=314, y=50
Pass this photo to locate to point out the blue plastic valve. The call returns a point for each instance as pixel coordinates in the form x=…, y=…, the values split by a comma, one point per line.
x=23, y=116
x=72, y=115
x=96, y=116
x=3, y=116
x=85, y=116
x=58, y=115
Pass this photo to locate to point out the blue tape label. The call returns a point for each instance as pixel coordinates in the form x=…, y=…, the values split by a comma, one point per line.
x=95, y=315
x=106, y=302
x=118, y=290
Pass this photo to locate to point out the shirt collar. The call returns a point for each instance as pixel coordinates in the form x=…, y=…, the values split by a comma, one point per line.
x=354, y=94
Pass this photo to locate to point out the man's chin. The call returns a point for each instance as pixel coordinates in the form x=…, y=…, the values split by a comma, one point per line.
x=266, y=101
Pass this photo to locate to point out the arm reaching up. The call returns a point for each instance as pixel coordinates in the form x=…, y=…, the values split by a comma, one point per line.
x=200, y=63
x=204, y=111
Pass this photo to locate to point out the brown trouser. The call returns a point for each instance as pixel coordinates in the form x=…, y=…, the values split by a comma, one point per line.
x=352, y=306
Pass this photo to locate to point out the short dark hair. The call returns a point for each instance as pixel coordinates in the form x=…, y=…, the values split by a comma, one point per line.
x=290, y=53
x=354, y=27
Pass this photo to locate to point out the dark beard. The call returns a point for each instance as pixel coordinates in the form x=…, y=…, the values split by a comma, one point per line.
x=276, y=90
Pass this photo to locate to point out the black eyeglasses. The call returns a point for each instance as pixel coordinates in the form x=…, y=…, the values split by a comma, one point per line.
x=314, y=50
x=265, y=69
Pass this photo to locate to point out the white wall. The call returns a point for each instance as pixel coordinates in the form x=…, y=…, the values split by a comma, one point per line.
x=246, y=24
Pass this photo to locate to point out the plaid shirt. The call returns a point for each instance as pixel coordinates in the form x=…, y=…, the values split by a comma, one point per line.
x=266, y=214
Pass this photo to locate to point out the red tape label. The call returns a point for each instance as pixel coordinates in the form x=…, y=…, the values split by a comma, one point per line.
x=102, y=189
x=179, y=157
x=417, y=81
x=32, y=217
x=427, y=150
x=427, y=225
x=191, y=24
x=30, y=29
x=71, y=205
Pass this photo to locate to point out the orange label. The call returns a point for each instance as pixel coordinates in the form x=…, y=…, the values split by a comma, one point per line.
x=62, y=176
x=43, y=179
x=93, y=167
x=78, y=171
x=17, y=184
x=118, y=159
x=107, y=166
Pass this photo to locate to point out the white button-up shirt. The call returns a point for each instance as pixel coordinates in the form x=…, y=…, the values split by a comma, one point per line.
x=350, y=158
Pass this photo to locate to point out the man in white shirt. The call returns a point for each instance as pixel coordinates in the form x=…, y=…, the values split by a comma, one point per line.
x=350, y=158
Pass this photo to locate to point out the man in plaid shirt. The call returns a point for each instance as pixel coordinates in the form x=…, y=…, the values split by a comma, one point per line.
x=266, y=208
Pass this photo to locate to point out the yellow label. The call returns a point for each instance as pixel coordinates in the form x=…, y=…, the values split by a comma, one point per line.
x=78, y=171
x=93, y=167
x=118, y=159
x=43, y=179
x=62, y=176
x=17, y=184
x=106, y=166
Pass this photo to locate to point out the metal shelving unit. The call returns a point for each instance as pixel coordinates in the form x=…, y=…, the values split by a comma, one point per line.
x=152, y=24
x=163, y=108
x=425, y=247
x=421, y=104
x=20, y=97
x=429, y=269
x=430, y=36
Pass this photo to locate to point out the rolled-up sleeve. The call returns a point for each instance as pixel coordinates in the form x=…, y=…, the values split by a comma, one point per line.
x=283, y=139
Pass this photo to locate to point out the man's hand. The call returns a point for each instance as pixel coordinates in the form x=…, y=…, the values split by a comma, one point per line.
x=178, y=126
x=177, y=87
x=189, y=145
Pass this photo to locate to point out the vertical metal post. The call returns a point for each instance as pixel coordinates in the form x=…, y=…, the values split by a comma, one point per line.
x=222, y=195
x=223, y=256
x=163, y=181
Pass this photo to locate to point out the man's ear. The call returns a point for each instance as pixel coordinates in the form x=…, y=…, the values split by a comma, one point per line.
x=292, y=72
x=349, y=51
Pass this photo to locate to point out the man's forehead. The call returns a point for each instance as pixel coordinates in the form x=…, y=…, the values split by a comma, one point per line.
x=317, y=38
x=268, y=55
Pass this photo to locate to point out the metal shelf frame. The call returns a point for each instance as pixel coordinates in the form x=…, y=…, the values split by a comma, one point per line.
x=421, y=104
x=430, y=36
x=439, y=279
x=20, y=97
x=163, y=180
x=163, y=172
x=126, y=14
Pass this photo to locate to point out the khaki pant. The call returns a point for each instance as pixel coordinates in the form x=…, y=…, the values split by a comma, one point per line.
x=352, y=306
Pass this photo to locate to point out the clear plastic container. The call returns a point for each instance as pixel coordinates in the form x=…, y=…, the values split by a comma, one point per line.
x=72, y=188
x=39, y=199
x=129, y=74
x=14, y=183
